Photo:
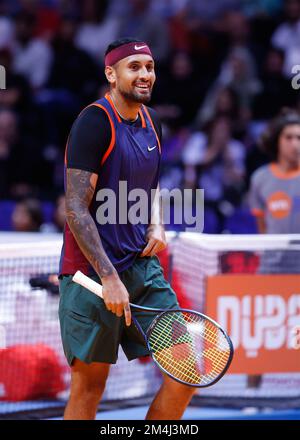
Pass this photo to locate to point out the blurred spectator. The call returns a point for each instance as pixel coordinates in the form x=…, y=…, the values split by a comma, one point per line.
x=275, y=188
x=46, y=13
x=275, y=195
x=59, y=217
x=8, y=139
x=174, y=141
x=215, y=62
x=143, y=24
x=16, y=96
x=276, y=88
x=60, y=213
x=31, y=56
x=235, y=31
x=239, y=72
x=287, y=35
x=224, y=102
x=47, y=20
x=97, y=29
x=6, y=32
x=22, y=169
x=178, y=26
x=215, y=162
x=237, y=83
x=72, y=69
x=73, y=83
x=177, y=93
x=27, y=216
x=237, y=28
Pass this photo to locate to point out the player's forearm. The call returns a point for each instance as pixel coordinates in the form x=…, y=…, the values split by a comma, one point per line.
x=85, y=232
x=78, y=196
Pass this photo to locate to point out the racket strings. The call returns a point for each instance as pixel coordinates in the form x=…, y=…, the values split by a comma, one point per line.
x=181, y=371
x=161, y=332
x=189, y=347
x=219, y=358
x=188, y=369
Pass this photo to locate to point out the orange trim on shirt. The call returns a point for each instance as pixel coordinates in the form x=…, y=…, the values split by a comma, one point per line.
x=142, y=118
x=66, y=149
x=152, y=125
x=280, y=174
x=113, y=134
x=113, y=107
x=257, y=212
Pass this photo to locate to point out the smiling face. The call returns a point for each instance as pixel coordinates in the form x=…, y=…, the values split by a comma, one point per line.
x=133, y=77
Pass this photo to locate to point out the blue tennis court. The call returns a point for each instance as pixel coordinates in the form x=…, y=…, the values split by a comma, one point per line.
x=192, y=413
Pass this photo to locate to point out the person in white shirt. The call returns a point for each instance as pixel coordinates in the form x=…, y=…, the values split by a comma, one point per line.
x=31, y=56
x=215, y=162
x=287, y=36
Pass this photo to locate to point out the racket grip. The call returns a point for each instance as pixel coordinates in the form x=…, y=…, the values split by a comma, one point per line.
x=88, y=283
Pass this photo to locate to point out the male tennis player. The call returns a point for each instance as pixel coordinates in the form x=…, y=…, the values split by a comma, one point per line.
x=117, y=138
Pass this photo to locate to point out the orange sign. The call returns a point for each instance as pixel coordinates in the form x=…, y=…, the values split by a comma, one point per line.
x=261, y=313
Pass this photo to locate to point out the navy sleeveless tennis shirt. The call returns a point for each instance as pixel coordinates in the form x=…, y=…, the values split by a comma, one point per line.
x=133, y=158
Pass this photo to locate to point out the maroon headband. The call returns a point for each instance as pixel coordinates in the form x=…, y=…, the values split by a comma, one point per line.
x=126, y=50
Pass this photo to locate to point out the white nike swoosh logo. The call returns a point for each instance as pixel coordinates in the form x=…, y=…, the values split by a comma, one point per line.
x=150, y=149
x=139, y=47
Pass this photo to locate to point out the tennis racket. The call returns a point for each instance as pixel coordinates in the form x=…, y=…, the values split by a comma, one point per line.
x=186, y=345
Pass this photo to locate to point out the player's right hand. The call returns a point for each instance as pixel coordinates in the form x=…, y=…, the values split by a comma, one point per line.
x=116, y=297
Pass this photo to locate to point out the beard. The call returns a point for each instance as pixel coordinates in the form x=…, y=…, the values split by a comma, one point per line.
x=134, y=96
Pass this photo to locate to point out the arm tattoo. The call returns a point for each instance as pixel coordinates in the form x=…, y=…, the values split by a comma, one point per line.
x=80, y=191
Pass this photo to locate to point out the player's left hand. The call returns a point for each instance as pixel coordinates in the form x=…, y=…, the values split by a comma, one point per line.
x=157, y=241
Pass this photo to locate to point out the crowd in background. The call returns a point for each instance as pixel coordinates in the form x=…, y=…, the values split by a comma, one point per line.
x=224, y=69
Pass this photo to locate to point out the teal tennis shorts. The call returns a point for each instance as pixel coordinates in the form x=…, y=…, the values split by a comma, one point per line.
x=91, y=333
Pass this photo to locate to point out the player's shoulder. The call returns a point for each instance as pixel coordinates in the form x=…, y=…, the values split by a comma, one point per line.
x=261, y=173
x=91, y=117
x=91, y=111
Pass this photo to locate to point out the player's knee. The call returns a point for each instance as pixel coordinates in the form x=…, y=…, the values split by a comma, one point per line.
x=90, y=390
x=90, y=386
x=89, y=378
x=177, y=388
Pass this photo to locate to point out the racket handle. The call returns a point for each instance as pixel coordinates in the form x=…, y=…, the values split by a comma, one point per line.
x=88, y=283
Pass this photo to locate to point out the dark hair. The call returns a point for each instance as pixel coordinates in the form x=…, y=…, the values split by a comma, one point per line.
x=270, y=137
x=121, y=42
x=33, y=206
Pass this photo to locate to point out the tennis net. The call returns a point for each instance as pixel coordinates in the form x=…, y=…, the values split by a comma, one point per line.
x=259, y=309
x=34, y=374
x=250, y=285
